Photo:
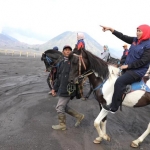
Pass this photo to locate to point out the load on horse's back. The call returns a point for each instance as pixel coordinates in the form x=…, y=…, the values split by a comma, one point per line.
x=51, y=59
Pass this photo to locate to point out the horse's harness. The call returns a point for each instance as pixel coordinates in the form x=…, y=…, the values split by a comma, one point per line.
x=71, y=88
x=84, y=75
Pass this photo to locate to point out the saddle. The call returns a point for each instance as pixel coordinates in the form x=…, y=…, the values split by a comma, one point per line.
x=133, y=87
x=137, y=86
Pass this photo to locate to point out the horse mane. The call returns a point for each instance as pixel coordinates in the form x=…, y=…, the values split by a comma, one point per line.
x=52, y=51
x=97, y=65
x=113, y=60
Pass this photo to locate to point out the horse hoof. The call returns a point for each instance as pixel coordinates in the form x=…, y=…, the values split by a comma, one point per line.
x=134, y=145
x=107, y=138
x=96, y=142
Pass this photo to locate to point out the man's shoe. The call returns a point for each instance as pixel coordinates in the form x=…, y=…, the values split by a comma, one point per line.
x=112, y=111
x=106, y=107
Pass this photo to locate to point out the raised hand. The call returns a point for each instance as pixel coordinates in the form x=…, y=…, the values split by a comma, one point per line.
x=104, y=28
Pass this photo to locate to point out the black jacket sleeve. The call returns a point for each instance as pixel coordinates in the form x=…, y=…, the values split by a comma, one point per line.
x=122, y=37
x=145, y=59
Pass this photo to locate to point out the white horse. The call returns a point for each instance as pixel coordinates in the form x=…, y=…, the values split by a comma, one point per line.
x=82, y=62
x=131, y=100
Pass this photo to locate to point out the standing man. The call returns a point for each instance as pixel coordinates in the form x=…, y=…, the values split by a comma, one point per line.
x=60, y=87
x=105, y=55
x=125, y=54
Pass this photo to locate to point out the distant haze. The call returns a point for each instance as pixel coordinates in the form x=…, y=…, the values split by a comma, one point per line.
x=66, y=38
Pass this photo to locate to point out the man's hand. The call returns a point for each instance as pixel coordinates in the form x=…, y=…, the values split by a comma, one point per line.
x=104, y=28
x=124, y=67
x=53, y=92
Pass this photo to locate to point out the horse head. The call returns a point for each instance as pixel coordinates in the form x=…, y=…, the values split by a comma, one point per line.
x=51, y=58
x=82, y=61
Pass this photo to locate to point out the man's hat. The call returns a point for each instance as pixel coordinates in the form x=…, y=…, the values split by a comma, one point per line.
x=67, y=46
x=125, y=45
x=55, y=48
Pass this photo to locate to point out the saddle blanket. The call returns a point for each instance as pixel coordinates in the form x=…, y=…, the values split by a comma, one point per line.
x=140, y=86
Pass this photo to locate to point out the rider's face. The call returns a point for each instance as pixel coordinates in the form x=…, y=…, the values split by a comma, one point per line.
x=66, y=52
x=139, y=33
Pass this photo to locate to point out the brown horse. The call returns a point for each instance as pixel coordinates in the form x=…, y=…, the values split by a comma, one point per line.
x=102, y=77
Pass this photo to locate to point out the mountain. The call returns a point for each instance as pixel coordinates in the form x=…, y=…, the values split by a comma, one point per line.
x=70, y=38
x=8, y=42
x=66, y=38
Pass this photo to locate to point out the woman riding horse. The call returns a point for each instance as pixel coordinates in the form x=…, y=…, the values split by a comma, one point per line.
x=136, y=64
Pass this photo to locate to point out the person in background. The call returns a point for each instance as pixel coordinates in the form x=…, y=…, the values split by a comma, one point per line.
x=125, y=53
x=105, y=55
x=136, y=64
x=60, y=87
x=52, y=75
x=80, y=41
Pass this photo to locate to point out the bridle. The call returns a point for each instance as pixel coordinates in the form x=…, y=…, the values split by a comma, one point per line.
x=72, y=87
x=87, y=73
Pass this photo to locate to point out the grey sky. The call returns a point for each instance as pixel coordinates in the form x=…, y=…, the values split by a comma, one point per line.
x=46, y=19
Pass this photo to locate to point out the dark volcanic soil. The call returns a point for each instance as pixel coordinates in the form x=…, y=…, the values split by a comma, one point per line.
x=27, y=113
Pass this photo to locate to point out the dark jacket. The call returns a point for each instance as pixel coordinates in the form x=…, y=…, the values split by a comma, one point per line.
x=62, y=76
x=123, y=58
x=138, y=59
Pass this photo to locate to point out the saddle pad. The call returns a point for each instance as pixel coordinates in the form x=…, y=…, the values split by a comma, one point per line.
x=140, y=86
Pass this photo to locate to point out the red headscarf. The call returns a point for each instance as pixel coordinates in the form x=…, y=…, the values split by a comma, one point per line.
x=146, y=32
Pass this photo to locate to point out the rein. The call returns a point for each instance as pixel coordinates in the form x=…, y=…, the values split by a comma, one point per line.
x=84, y=75
x=81, y=61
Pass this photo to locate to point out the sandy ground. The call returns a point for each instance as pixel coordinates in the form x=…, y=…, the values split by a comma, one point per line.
x=27, y=113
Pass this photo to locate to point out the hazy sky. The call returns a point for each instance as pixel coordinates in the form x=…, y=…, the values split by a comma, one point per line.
x=45, y=19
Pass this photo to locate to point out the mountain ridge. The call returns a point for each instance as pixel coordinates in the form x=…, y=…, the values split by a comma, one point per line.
x=65, y=38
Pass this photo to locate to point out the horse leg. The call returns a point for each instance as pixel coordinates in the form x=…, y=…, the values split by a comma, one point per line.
x=136, y=142
x=103, y=126
x=102, y=133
